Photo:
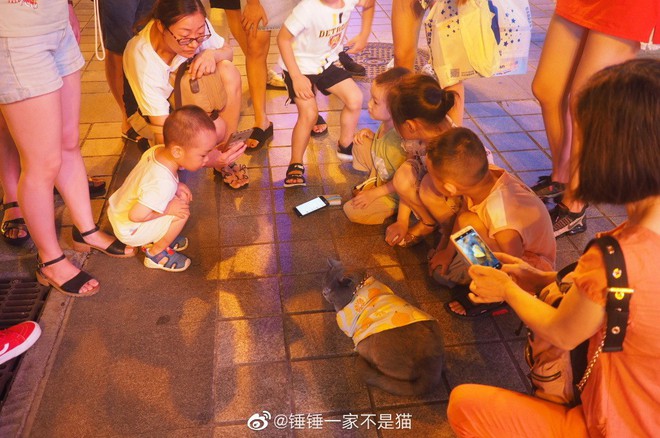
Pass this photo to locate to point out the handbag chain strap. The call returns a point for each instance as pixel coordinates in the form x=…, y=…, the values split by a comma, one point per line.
x=618, y=301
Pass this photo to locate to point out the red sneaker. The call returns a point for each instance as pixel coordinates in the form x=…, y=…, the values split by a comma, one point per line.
x=16, y=339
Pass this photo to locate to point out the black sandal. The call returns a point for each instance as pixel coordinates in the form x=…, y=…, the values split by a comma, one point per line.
x=262, y=136
x=319, y=121
x=116, y=249
x=291, y=176
x=10, y=225
x=71, y=287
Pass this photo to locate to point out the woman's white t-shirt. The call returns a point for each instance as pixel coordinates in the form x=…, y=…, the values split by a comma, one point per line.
x=149, y=76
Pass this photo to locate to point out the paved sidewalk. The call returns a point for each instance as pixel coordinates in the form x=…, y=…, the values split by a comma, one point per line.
x=245, y=329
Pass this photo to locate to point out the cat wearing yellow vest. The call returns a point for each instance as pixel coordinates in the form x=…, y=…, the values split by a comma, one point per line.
x=400, y=347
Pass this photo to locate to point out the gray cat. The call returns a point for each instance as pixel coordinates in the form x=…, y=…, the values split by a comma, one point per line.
x=400, y=347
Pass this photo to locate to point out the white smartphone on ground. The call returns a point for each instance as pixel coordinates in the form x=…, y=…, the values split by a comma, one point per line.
x=470, y=244
x=311, y=206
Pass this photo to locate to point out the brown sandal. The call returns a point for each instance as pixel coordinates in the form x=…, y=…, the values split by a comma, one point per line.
x=234, y=175
x=411, y=239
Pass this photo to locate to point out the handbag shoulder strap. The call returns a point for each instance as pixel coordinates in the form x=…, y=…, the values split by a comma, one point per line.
x=618, y=292
x=177, y=82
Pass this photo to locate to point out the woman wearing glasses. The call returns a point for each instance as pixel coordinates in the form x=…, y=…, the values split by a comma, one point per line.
x=175, y=31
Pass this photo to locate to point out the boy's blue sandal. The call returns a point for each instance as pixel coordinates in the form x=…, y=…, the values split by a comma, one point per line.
x=295, y=175
x=175, y=261
x=262, y=136
x=319, y=122
x=116, y=249
x=472, y=310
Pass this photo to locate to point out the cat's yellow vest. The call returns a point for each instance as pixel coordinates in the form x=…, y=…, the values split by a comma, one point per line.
x=374, y=309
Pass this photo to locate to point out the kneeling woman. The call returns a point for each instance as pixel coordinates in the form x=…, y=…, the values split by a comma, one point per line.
x=617, y=164
x=175, y=31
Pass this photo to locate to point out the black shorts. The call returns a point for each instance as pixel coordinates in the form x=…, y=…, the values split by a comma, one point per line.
x=322, y=81
x=231, y=5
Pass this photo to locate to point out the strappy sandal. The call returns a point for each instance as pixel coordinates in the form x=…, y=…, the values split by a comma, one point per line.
x=411, y=239
x=295, y=171
x=14, y=226
x=319, y=121
x=234, y=175
x=263, y=137
x=176, y=262
x=71, y=287
x=116, y=249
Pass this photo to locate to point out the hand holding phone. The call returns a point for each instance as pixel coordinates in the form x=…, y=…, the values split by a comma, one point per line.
x=470, y=244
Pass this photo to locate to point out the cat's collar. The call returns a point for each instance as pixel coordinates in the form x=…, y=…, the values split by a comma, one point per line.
x=360, y=285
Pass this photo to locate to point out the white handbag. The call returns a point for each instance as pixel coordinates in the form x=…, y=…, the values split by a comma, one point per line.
x=456, y=43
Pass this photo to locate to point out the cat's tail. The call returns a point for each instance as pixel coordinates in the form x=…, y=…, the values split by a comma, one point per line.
x=430, y=378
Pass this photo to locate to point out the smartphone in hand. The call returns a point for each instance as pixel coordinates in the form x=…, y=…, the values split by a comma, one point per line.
x=470, y=244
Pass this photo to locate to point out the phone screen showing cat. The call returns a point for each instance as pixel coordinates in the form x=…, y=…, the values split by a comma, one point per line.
x=310, y=206
x=475, y=249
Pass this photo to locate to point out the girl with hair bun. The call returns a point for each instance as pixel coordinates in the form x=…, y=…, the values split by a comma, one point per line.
x=419, y=109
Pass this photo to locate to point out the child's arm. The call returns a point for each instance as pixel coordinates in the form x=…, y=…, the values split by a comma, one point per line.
x=301, y=84
x=176, y=207
x=366, y=197
x=510, y=242
x=362, y=135
x=358, y=43
x=398, y=229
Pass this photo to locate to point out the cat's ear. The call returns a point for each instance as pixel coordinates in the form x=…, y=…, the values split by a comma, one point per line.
x=334, y=263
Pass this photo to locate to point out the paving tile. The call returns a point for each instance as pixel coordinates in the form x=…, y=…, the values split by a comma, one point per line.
x=246, y=341
x=527, y=160
x=244, y=202
x=292, y=227
x=487, y=364
x=484, y=109
x=286, y=199
x=458, y=331
x=242, y=391
x=248, y=261
x=495, y=125
x=328, y=385
x=105, y=130
x=302, y=293
x=247, y=230
x=249, y=298
x=540, y=138
x=512, y=141
x=530, y=122
x=303, y=257
x=520, y=107
x=242, y=431
x=367, y=251
x=315, y=335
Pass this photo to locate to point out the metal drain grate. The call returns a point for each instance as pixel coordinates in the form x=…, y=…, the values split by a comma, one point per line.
x=20, y=300
x=376, y=56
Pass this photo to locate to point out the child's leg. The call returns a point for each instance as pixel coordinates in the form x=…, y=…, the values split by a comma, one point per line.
x=406, y=183
x=307, y=114
x=231, y=79
x=373, y=214
x=173, y=231
x=350, y=94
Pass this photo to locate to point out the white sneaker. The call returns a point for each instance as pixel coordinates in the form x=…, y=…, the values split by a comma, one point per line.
x=275, y=80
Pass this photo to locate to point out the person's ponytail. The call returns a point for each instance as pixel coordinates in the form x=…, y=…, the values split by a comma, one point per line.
x=419, y=97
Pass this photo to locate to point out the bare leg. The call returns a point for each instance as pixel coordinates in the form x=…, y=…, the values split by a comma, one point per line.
x=349, y=93
x=41, y=158
x=10, y=170
x=257, y=75
x=114, y=74
x=600, y=51
x=231, y=79
x=175, y=229
x=406, y=21
x=405, y=185
x=307, y=113
x=552, y=82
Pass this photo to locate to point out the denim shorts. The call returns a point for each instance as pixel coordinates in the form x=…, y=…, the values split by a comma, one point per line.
x=35, y=65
